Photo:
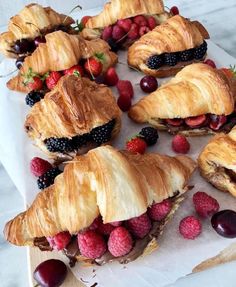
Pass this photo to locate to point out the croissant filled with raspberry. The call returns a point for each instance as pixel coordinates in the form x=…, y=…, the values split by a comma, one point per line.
x=101, y=197
x=76, y=115
x=168, y=48
x=198, y=100
x=28, y=28
x=217, y=162
x=60, y=52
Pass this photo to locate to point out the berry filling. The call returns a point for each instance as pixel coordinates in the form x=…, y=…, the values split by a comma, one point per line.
x=154, y=62
x=98, y=135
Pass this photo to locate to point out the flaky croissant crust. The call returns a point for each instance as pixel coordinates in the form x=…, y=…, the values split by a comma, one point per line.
x=41, y=18
x=74, y=107
x=61, y=51
x=117, y=185
x=217, y=158
x=121, y=9
x=196, y=90
x=174, y=35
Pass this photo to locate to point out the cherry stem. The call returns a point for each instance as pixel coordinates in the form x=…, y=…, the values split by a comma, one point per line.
x=78, y=6
x=3, y=76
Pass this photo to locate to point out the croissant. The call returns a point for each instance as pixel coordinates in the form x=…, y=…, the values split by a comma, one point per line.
x=34, y=20
x=61, y=51
x=217, y=162
x=74, y=114
x=198, y=100
x=169, y=47
x=116, y=184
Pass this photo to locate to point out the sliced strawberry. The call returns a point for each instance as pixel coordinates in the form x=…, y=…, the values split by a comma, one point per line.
x=197, y=121
x=93, y=66
x=85, y=19
x=134, y=32
x=216, y=122
x=152, y=23
x=125, y=24
x=111, y=77
x=175, y=122
x=125, y=86
x=124, y=101
x=52, y=79
x=76, y=69
x=143, y=30
x=35, y=83
x=140, y=20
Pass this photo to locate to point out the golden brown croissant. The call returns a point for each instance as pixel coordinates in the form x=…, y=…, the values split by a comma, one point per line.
x=34, y=20
x=116, y=185
x=72, y=113
x=217, y=162
x=155, y=52
x=61, y=51
x=184, y=103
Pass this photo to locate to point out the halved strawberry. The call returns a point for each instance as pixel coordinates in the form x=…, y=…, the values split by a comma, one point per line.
x=175, y=122
x=76, y=69
x=216, y=122
x=35, y=83
x=197, y=121
x=52, y=79
x=93, y=66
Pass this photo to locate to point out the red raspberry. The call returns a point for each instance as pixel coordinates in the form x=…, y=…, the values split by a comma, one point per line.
x=140, y=20
x=125, y=24
x=125, y=87
x=134, y=32
x=105, y=229
x=152, y=23
x=117, y=32
x=159, y=211
x=139, y=226
x=180, y=144
x=60, y=240
x=107, y=33
x=116, y=223
x=91, y=244
x=174, y=10
x=143, y=30
x=210, y=63
x=204, y=204
x=124, y=102
x=190, y=227
x=39, y=166
x=52, y=79
x=120, y=242
x=111, y=77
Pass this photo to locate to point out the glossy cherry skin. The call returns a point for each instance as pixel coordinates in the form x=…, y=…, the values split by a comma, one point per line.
x=38, y=40
x=19, y=62
x=224, y=223
x=148, y=84
x=50, y=273
x=23, y=46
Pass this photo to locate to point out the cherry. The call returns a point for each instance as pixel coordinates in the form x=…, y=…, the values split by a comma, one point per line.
x=174, y=10
x=38, y=40
x=224, y=223
x=210, y=63
x=148, y=84
x=50, y=273
x=197, y=121
x=20, y=61
x=217, y=122
x=23, y=46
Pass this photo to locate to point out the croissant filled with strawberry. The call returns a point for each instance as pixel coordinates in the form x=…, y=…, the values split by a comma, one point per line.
x=94, y=208
x=62, y=54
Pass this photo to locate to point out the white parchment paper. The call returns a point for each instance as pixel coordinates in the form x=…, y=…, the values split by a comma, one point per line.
x=176, y=256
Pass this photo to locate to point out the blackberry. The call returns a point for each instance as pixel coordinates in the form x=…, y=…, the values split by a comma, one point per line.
x=59, y=144
x=102, y=134
x=186, y=55
x=47, y=178
x=154, y=62
x=33, y=97
x=150, y=135
x=79, y=141
x=171, y=59
x=200, y=52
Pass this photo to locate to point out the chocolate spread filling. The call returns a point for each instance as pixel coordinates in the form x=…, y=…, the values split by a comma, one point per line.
x=42, y=244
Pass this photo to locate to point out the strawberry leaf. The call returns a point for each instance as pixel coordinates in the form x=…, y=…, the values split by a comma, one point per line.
x=100, y=57
x=79, y=26
x=77, y=73
x=233, y=70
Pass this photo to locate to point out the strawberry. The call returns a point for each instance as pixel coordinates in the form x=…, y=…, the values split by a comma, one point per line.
x=151, y=22
x=125, y=24
x=180, y=144
x=143, y=30
x=111, y=77
x=93, y=66
x=229, y=72
x=52, y=79
x=136, y=145
x=134, y=32
x=125, y=86
x=174, y=10
x=35, y=83
x=85, y=19
x=124, y=102
x=140, y=20
x=76, y=70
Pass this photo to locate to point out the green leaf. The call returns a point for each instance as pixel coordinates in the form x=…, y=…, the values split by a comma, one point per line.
x=77, y=73
x=233, y=69
x=78, y=26
x=100, y=57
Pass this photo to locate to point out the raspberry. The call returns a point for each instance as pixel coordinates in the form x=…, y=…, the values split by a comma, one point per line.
x=60, y=240
x=180, y=144
x=174, y=10
x=159, y=211
x=134, y=32
x=143, y=30
x=124, y=102
x=111, y=77
x=125, y=86
x=95, y=223
x=140, y=20
x=107, y=33
x=190, y=227
x=117, y=32
x=105, y=229
x=125, y=24
x=39, y=166
x=91, y=244
x=116, y=223
x=210, y=63
x=204, y=204
x=151, y=22
x=120, y=242
x=139, y=226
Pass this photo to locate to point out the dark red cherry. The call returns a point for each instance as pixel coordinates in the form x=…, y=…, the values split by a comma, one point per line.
x=224, y=223
x=148, y=84
x=50, y=273
x=23, y=46
x=38, y=40
x=19, y=62
x=216, y=122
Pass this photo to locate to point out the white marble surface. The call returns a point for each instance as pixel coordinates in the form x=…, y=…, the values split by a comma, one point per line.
x=219, y=18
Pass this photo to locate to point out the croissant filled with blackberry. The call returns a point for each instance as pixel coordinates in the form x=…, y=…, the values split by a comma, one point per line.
x=217, y=162
x=169, y=47
x=28, y=28
x=61, y=54
x=198, y=100
x=76, y=115
x=101, y=197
